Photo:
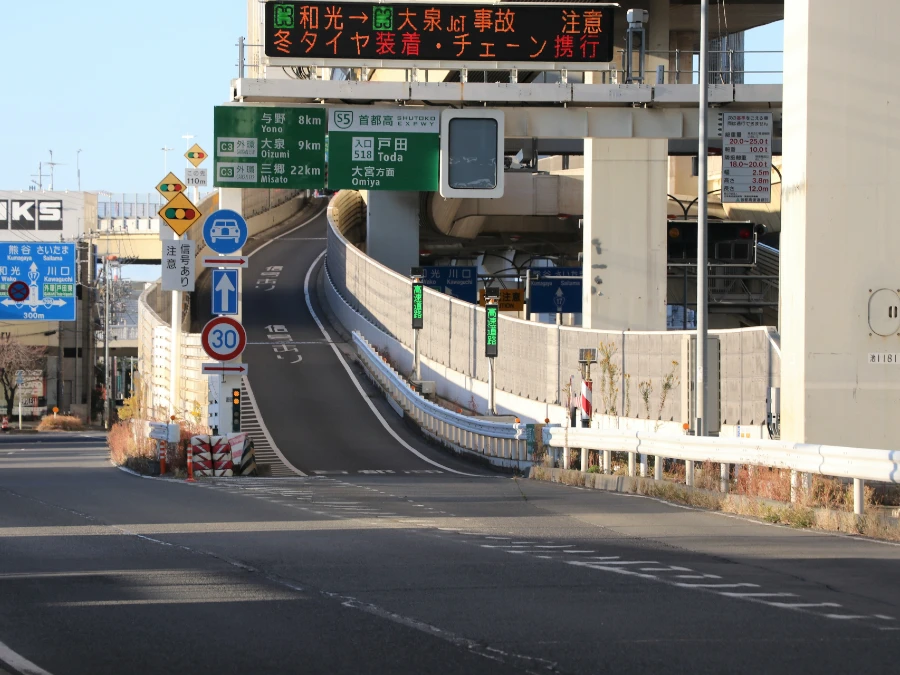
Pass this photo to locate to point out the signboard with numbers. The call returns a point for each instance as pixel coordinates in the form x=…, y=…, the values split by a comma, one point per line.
x=196, y=177
x=384, y=148
x=354, y=34
x=266, y=147
x=49, y=270
x=746, y=158
x=178, y=265
x=458, y=282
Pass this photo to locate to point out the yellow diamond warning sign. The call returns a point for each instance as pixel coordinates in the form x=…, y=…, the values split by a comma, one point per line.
x=179, y=214
x=196, y=155
x=170, y=186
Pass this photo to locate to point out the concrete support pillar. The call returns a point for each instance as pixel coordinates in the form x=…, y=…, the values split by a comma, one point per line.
x=392, y=229
x=624, y=233
x=841, y=153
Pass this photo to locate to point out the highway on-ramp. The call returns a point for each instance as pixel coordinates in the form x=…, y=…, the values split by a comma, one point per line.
x=319, y=416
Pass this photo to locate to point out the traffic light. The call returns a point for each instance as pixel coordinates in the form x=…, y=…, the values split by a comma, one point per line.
x=172, y=188
x=173, y=213
x=236, y=409
x=729, y=243
x=196, y=155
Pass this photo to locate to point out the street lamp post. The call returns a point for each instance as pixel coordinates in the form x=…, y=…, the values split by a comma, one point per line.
x=78, y=166
x=166, y=159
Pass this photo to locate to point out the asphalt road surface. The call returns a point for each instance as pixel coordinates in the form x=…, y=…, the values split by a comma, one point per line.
x=432, y=566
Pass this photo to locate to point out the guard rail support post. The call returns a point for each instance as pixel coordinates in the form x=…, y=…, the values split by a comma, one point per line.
x=689, y=473
x=795, y=486
x=859, y=493
x=607, y=461
x=584, y=459
x=658, y=467
x=631, y=463
x=643, y=465
x=724, y=477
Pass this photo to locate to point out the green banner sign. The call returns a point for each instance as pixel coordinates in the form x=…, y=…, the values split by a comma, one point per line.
x=418, y=306
x=383, y=148
x=265, y=147
x=491, y=324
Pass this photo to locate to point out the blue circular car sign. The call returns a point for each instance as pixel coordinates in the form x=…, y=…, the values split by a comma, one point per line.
x=225, y=231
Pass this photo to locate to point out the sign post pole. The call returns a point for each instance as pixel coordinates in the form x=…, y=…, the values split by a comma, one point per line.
x=175, y=353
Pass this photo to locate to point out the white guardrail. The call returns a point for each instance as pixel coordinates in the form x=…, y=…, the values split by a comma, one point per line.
x=500, y=443
x=860, y=464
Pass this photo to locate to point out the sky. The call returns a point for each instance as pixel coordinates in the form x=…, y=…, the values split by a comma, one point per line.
x=118, y=79
x=121, y=80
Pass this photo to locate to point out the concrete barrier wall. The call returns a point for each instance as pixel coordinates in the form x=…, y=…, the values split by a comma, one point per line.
x=538, y=361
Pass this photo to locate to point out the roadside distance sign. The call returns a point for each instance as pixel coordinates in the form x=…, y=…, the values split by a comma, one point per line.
x=180, y=214
x=225, y=286
x=225, y=231
x=223, y=338
x=196, y=155
x=225, y=368
x=225, y=261
x=170, y=186
x=196, y=177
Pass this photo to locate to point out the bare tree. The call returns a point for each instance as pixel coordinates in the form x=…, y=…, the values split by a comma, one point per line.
x=16, y=356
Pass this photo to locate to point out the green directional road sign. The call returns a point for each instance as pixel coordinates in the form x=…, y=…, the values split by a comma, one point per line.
x=384, y=148
x=265, y=147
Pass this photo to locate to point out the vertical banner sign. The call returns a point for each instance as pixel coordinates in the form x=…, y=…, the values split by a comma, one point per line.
x=384, y=149
x=178, y=265
x=418, y=306
x=491, y=325
x=354, y=33
x=269, y=147
x=746, y=158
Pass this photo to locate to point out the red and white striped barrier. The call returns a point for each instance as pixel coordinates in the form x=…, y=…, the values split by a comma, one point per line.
x=587, y=402
x=226, y=456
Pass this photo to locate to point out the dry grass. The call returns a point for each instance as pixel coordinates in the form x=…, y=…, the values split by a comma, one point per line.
x=61, y=423
x=827, y=505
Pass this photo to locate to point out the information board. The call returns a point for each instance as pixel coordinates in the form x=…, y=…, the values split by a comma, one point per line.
x=266, y=147
x=370, y=33
x=178, y=265
x=746, y=158
x=418, y=306
x=49, y=270
x=555, y=290
x=458, y=282
x=491, y=330
x=384, y=148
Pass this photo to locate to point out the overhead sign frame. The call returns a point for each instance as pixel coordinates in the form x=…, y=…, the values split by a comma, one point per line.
x=293, y=38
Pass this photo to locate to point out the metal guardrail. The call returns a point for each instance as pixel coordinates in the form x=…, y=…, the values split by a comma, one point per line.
x=860, y=464
x=500, y=442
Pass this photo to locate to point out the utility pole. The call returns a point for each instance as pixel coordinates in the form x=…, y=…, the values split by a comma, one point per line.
x=106, y=413
x=166, y=159
x=40, y=175
x=702, y=232
x=78, y=166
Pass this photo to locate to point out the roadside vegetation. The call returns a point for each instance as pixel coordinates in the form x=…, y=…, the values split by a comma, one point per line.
x=61, y=423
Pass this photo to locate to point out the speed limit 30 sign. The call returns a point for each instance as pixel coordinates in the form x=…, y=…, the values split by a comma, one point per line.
x=223, y=338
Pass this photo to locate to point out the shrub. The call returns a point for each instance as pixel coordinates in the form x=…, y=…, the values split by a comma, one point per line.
x=61, y=423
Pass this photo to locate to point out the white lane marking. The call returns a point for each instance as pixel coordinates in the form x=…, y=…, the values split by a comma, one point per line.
x=576, y=551
x=735, y=585
x=698, y=576
x=598, y=561
x=552, y=546
x=359, y=388
x=759, y=595
x=18, y=662
x=884, y=616
x=803, y=605
x=845, y=616
x=674, y=568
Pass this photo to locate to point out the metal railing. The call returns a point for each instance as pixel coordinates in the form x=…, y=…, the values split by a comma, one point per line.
x=858, y=464
x=501, y=443
x=732, y=67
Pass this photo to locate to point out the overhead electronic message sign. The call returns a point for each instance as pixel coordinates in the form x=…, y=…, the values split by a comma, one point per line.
x=472, y=33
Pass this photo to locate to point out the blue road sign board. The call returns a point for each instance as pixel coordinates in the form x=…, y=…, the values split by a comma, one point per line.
x=49, y=270
x=225, y=231
x=555, y=296
x=225, y=286
x=460, y=282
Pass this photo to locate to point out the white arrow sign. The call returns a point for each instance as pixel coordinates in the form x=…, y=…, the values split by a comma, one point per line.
x=225, y=287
